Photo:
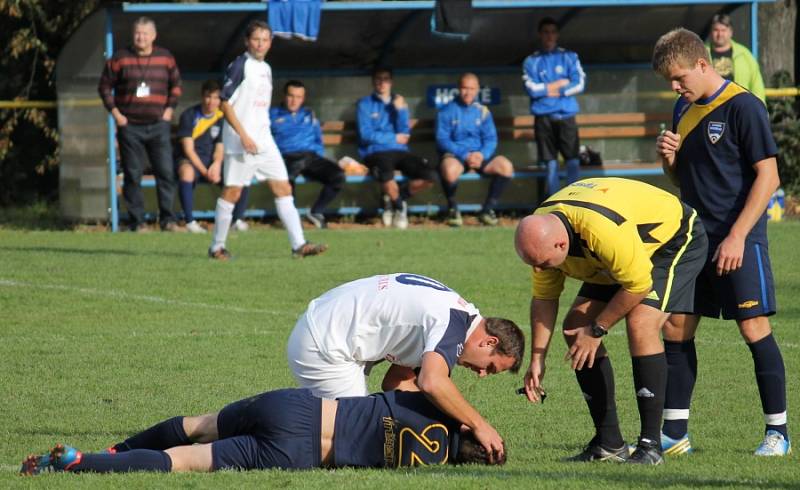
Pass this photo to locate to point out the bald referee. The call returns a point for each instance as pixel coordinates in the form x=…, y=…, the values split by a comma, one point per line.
x=638, y=250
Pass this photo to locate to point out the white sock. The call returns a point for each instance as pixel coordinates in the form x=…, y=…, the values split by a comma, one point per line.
x=291, y=220
x=222, y=223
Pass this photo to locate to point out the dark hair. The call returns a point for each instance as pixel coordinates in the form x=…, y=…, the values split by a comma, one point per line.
x=255, y=25
x=470, y=451
x=510, y=339
x=210, y=86
x=547, y=21
x=382, y=69
x=294, y=84
x=721, y=18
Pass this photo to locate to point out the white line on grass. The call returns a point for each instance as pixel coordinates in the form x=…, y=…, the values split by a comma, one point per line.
x=121, y=295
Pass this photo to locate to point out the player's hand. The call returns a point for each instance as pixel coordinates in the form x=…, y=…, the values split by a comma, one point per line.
x=667, y=144
x=554, y=88
x=214, y=174
x=583, y=348
x=402, y=139
x=120, y=120
x=490, y=440
x=249, y=145
x=399, y=102
x=167, y=116
x=533, y=379
x=729, y=255
x=474, y=160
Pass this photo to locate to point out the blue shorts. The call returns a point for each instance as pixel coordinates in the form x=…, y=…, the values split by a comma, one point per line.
x=745, y=293
x=277, y=429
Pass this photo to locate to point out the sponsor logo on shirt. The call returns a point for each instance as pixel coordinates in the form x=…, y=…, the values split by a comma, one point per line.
x=748, y=304
x=459, y=349
x=715, y=131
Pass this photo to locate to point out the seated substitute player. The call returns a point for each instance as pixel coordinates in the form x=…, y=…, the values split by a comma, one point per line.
x=290, y=429
x=419, y=325
x=638, y=250
x=298, y=134
x=250, y=151
x=198, y=154
x=721, y=153
x=467, y=139
x=383, y=131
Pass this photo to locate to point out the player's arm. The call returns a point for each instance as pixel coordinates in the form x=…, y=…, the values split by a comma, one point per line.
x=215, y=169
x=534, y=85
x=367, y=133
x=187, y=144
x=434, y=381
x=488, y=134
x=230, y=116
x=399, y=378
x=730, y=252
x=543, y=319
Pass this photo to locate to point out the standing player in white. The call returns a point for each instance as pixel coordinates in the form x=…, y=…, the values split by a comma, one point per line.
x=422, y=327
x=250, y=151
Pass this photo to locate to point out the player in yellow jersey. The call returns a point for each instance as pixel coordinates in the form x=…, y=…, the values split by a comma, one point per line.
x=638, y=250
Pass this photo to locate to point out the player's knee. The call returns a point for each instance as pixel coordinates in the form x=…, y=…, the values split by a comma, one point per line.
x=281, y=188
x=201, y=428
x=754, y=329
x=231, y=194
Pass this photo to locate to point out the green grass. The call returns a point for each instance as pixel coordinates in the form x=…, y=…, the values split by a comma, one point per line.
x=102, y=335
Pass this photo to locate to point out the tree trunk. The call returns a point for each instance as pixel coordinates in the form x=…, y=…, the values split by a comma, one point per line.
x=776, y=37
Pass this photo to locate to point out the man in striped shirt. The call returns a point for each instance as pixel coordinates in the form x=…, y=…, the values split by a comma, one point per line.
x=140, y=86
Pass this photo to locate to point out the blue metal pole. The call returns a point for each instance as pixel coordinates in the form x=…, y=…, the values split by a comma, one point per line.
x=754, y=29
x=112, y=150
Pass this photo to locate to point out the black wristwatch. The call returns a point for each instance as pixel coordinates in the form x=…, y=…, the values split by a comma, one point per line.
x=598, y=330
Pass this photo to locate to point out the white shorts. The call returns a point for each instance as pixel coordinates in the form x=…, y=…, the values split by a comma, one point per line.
x=325, y=378
x=239, y=169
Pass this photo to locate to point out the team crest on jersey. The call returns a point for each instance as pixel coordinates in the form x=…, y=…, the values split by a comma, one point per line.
x=214, y=132
x=715, y=131
x=559, y=69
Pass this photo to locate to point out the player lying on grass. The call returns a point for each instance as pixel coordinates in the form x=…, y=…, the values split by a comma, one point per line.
x=289, y=428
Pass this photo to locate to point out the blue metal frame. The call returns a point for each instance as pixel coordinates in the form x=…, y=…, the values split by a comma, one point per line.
x=112, y=150
x=754, y=29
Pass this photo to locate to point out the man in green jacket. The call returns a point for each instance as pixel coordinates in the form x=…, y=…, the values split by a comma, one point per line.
x=732, y=60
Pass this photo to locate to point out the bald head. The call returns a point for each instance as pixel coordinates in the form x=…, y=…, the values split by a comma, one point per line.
x=542, y=241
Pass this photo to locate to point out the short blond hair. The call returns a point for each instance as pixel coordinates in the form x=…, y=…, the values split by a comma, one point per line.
x=680, y=47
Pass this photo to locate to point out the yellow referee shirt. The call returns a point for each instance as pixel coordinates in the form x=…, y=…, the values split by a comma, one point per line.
x=615, y=226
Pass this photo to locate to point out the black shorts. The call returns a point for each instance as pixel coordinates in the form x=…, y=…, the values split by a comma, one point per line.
x=383, y=164
x=479, y=170
x=313, y=167
x=675, y=268
x=556, y=135
x=747, y=292
x=277, y=429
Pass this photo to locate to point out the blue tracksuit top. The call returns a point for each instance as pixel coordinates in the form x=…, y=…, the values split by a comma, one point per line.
x=296, y=131
x=462, y=129
x=379, y=124
x=542, y=68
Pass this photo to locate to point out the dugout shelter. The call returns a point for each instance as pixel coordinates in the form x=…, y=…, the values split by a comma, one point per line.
x=614, y=40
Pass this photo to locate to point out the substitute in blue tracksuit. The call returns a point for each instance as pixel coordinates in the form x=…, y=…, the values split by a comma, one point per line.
x=553, y=77
x=467, y=139
x=383, y=131
x=298, y=134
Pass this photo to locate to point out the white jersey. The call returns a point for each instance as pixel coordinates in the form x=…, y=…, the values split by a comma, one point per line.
x=396, y=317
x=248, y=89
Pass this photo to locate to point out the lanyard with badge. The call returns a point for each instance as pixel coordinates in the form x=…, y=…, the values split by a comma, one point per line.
x=142, y=89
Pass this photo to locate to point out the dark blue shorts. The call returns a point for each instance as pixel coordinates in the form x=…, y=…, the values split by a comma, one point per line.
x=277, y=429
x=745, y=293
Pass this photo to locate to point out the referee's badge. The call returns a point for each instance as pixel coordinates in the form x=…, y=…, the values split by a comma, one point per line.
x=715, y=131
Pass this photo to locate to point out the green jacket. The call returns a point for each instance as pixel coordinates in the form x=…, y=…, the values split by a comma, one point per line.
x=745, y=70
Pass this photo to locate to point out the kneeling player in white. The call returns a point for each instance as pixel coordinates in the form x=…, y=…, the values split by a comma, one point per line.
x=416, y=323
x=250, y=151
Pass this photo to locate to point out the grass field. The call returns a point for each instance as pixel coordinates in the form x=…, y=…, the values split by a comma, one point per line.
x=102, y=335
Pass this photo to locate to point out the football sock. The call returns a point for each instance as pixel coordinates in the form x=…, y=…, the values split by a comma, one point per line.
x=136, y=460
x=573, y=169
x=450, y=193
x=771, y=379
x=681, y=376
x=405, y=192
x=650, y=383
x=164, y=435
x=291, y=220
x=186, y=191
x=553, y=182
x=326, y=195
x=241, y=205
x=597, y=385
x=496, y=188
x=222, y=223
